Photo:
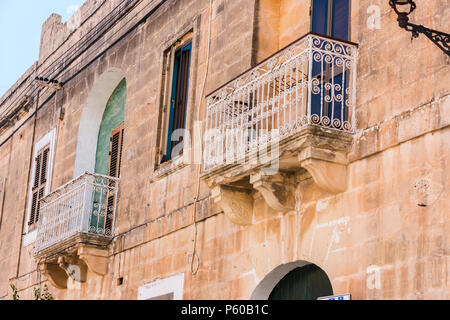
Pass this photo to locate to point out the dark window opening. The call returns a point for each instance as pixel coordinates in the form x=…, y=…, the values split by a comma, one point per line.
x=179, y=96
x=331, y=18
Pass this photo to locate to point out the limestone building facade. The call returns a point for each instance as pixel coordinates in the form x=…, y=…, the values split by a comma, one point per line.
x=229, y=149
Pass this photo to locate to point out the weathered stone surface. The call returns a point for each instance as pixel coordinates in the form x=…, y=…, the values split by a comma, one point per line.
x=382, y=235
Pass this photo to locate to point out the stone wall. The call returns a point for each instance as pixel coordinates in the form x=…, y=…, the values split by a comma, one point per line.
x=393, y=218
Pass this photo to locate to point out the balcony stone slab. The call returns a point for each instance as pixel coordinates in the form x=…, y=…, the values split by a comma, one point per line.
x=277, y=190
x=73, y=258
x=319, y=152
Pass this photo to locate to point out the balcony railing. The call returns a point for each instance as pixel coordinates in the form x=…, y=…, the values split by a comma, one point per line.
x=310, y=82
x=84, y=206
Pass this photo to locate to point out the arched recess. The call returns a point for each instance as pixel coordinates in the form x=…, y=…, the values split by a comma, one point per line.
x=113, y=117
x=91, y=119
x=296, y=281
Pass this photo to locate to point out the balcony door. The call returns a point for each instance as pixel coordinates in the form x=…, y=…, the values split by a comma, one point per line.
x=108, y=160
x=330, y=18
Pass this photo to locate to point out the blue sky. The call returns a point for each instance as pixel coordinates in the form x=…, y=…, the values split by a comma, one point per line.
x=20, y=33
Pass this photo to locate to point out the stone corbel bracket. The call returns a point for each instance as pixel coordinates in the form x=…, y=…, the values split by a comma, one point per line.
x=327, y=168
x=75, y=265
x=236, y=203
x=55, y=275
x=277, y=190
x=96, y=259
x=321, y=153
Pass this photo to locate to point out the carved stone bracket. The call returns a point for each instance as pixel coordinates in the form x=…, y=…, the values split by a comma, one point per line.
x=96, y=259
x=327, y=168
x=75, y=264
x=321, y=153
x=329, y=176
x=236, y=203
x=55, y=275
x=277, y=190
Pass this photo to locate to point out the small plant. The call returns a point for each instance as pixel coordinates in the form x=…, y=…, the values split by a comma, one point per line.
x=38, y=295
x=44, y=295
x=15, y=293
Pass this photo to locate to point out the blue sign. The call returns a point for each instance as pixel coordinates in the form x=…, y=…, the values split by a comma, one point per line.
x=347, y=296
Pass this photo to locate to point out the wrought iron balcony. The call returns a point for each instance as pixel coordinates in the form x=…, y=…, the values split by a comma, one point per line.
x=84, y=208
x=310, y=82
x=299, y=106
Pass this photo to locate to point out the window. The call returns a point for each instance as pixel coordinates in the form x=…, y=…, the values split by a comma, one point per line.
x=165, y=289
x=40, y=182
x=331, y=18
x=177, y=68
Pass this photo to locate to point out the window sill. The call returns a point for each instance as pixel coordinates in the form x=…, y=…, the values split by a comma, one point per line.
x=167, y=168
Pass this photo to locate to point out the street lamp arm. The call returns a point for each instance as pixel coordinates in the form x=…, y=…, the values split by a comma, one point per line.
x=440, y=39
x=403, y=8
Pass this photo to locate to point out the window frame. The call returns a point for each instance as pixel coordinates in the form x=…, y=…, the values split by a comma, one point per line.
x=327, y=71
x=189, y=33
x=48, y=140
x=39, y=185
x=330, y=19
x=169, y=286
x=189, y=30
x=179, y=92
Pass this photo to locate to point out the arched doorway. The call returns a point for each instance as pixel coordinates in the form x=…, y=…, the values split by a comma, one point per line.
x=100, y=142
x=298, y=280
x=108, y=157
x=110, y=88
x=110, y=126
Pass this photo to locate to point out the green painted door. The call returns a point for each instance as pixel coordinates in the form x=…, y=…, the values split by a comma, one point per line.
x=305, y=283
x=113, y=117
x=112, y=122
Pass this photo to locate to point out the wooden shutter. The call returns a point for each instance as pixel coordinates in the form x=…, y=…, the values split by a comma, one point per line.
x=39, y=184
x=180, y=88
x=167, y=103
x=115, y=162
x=115, y=153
